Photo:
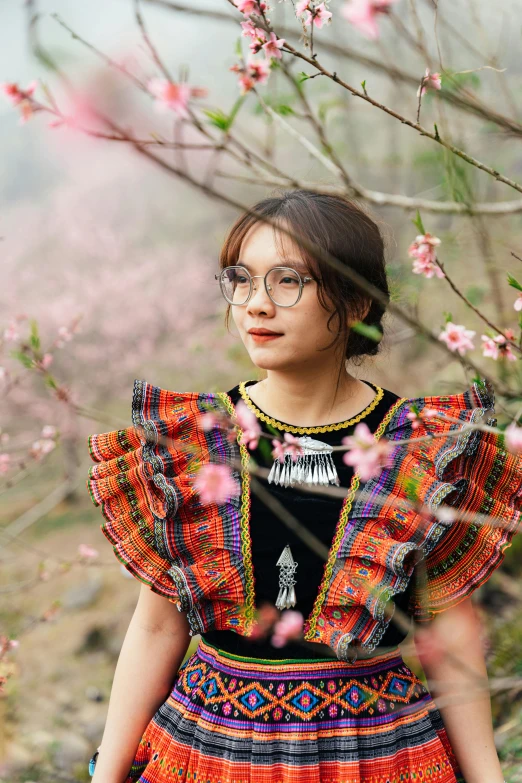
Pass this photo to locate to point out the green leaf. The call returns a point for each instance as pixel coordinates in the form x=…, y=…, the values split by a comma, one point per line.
x=238, y=49
x=35, y=337
x=302, y=77
x=218, y=119
x=49, y=381
x=447, y=317
x=418, y=223
x=372, y=332
x=265, y=447
x=23, y=358
x=363, y=84
x=514, y=282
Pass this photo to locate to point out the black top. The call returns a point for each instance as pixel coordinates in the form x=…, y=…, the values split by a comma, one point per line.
x=320, y=514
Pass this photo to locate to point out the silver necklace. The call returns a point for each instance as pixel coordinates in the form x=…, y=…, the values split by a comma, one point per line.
x=314, y=466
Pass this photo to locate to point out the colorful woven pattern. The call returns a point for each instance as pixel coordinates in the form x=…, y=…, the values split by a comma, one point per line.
x=230, y=719
x=200, y=557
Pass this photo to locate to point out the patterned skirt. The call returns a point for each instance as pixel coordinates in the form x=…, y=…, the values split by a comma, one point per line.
x=231, y=719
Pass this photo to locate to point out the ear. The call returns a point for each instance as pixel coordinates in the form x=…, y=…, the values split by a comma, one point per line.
x=360, y=315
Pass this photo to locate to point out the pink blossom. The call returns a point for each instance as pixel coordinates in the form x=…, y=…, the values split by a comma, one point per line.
x=47, y=360
x=21, y=98
x=254, y=72
x=49, y=431
x=258, y=42
x=423, y=251
x=362, y=14
x=301, y=7
x=318, y=15
x=5, y=463
x=265, y=617
x=176, y=96
x=367, y=454
x=518, y=302
x=416, y=418
x=273, y=46
x=498, y=346
x=208, y=421
x=290, y=626
x=289, y=445
x=42, y=447
x=248, y=7
x=432, y=80
x=457, y=337
x=11, y=334
x=215, y=483
x=513, y=438
x=249, y=29
x=249, y=424
x=87, y=552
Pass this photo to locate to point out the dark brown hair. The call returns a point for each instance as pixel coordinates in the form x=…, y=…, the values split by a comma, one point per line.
x=342, y=228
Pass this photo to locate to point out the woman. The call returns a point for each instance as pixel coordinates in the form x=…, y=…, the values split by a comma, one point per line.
x=338, y=705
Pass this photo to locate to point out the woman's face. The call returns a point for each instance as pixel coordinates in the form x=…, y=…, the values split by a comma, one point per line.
x=302, y=327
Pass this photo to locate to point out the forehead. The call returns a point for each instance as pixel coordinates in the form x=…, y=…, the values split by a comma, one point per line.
x=261, y=249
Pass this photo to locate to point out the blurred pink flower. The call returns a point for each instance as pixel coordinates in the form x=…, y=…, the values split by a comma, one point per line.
x=518, y=302
x=265, y=617
x=21, y=98
x=301, y=7
x=367, y=454
x=87, y=552
x=432, y=80
x=11, y=334
x=215, y=483
x=289, y=445
x=363, y=14
x=513, y=438
x=176, y=96
x=273, y=46
x=49, y=431
x=41, y=447
x=457, y=337
x=254, y=72
x=248, y=7
x=416, y=418
x=289, y=627
x=5, y=463
x=47, y=360
x=249, y=424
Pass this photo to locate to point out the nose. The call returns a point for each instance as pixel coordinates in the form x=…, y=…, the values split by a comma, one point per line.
x=259, y=287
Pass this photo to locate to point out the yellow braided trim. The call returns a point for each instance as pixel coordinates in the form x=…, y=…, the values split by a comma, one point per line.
x=248, y=611
x=311, y=623
x=309, y=430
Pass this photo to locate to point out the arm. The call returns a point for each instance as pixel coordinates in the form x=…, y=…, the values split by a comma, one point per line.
x=458, y=682
x=154, y=647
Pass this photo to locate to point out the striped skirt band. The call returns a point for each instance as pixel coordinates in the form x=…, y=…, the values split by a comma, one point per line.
x=234, y=719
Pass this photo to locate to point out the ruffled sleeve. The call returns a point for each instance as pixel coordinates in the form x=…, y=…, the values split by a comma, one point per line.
x=389, y=535
x=481, y=484
x=143, y=483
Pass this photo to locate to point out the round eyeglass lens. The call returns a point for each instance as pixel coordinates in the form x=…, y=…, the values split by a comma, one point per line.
x=283, y=285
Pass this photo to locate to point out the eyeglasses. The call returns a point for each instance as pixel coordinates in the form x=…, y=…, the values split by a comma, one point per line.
x=283, y=285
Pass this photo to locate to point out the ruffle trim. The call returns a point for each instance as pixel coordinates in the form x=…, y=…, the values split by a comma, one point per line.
x=143, y=482
x=383, y=537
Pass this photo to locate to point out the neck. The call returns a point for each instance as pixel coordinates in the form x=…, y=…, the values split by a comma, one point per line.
x=308, y=401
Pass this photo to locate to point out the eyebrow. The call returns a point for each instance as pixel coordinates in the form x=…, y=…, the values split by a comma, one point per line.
x=294, y=264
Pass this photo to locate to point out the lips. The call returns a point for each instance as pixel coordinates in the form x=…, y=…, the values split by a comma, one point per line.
x=264, y=332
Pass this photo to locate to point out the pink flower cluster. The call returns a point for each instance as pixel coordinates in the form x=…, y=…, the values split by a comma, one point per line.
x=256, y=71
x=496, y=347
x=363, y=15
x=316, y=14
x=422, y=250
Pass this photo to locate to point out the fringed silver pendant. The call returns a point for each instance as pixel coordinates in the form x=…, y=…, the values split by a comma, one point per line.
x=314, y=466
x=286, y=598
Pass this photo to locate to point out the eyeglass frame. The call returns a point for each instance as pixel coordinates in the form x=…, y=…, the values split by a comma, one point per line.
x=302, y=281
